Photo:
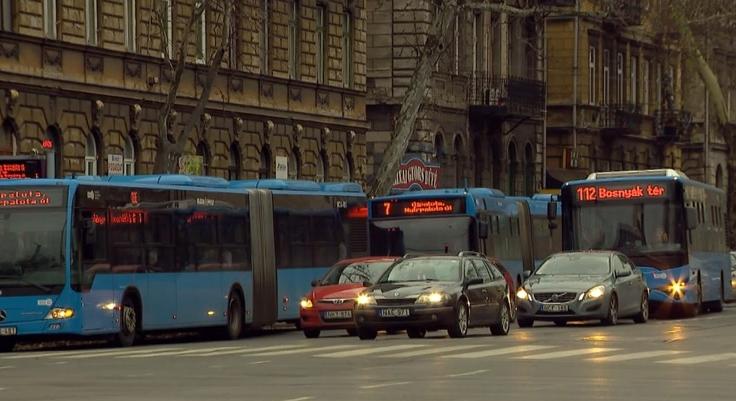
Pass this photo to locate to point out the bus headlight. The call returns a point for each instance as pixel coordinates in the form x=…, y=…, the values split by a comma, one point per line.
x=60, y=314
x=677, y=287
x=523, y=294
x=365, y=299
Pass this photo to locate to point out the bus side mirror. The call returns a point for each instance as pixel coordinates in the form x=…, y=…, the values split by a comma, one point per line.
x=483, y=230
x=551, y=210
x=691, y=216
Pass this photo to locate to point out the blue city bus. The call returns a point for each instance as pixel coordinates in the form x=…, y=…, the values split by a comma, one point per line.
x=673, y=228
x=126, y=255
x=447, y=221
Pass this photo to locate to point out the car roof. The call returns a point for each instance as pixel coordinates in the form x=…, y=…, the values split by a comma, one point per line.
x=588, y=252
x=364, y=259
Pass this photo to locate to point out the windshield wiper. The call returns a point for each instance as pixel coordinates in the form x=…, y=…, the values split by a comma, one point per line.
x=25, y=281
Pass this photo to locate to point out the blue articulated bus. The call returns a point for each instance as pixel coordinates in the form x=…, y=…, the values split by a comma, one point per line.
x=447, y=221
x=127, y=255
x=672, y=227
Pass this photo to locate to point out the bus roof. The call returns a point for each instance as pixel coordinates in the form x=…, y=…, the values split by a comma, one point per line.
x=448, y=192
x=634, y=176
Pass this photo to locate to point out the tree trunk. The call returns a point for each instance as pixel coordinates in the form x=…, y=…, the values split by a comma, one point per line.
x=414, y=97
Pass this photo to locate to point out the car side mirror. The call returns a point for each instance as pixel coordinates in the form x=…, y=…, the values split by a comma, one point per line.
x=474, y=281
x=551, y=210
x=527, y=274
x=623, y=274
x=367, y=284
x=483, y=230
x=691, y=216
x=315, y=283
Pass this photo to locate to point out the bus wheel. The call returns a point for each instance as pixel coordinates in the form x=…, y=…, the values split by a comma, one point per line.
x=6, y=344
x=693, y=310
x=234, y=317
x=129, y=328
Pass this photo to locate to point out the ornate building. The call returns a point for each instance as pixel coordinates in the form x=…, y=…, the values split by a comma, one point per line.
x=85, y=79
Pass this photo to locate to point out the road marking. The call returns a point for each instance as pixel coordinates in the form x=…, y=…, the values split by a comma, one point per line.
x=303, y=350
x=565, y=354
x=499, y=351
x=368, y=351
x=372, y=386
x=634, y=356
x=431, y=351
x=245, y=350
x=473, y=373
x=175, y=353
x=701, y=359
x=300, y=399
x=6, y=367
x=116, y=353
x=258, y=362
x=30, y=355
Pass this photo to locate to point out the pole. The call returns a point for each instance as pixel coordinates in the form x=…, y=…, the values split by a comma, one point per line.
x=576, y=66
x=544, y=111
x=706, y=142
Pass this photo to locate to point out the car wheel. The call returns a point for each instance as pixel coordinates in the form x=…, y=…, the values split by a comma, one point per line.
x=504, y=322
x=611, y=318
x=234, y=328
x=416, y=333
x=367, y=334
x=311, y=333
x=129, y=328
x=352, y=332
x=643, y=314
x=459, y=327
x=524, y=322
x=6, y=344
x=560, y=323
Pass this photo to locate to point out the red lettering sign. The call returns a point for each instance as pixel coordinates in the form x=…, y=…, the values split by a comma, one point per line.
x=602, y=193
x=358, y=212
x=47, y=144
x=127, y=217
x=20, y=168
x=398, y=208
x=415, y=173
x=24, y=198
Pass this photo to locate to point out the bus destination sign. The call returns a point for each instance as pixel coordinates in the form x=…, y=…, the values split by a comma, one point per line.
x=631, y=192
x=31, y=197
x=418, y=207
x=15, y=169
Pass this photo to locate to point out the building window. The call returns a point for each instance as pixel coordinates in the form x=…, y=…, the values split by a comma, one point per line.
x=591, y=76
x=204, y=152
x=129, y=157
x=294, y=39
x=322, y=45
x=49, y=18
x=167, y=17
x=634, y=80
x=233, y=172
x=91, y=10
x=658, y=87
x=201, y=36
x=265, y=167
x=513, y=165
x=456, y=45
x=265, y=32
x=322, y=168
x=459, y=163
x=347, y=49
x=347, y=168
x=130, y=25
x=606, y=76
x=620, y=78
x=529, y=170
x=477, y=42
x=294, y=165
x=6, y=15
x=645, y=85
x=90, y=156
x=671, y=78
x=719, y=177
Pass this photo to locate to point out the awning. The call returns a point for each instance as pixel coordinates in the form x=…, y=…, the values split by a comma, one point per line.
x=556, y=177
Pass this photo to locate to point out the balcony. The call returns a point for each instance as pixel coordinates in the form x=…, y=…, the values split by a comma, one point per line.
x=672, y=125
x=617, y=118
x=505, y=97
x=624, y=12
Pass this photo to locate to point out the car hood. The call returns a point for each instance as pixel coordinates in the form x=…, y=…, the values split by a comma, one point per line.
x=570, y=283
x=337, y=291
x=409, y=289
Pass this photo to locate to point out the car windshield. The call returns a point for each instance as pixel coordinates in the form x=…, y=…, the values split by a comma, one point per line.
x=399, y=237
x=424, y=269
x=575, y=264
x=356, y=273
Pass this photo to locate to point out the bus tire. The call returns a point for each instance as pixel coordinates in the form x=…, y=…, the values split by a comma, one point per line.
x=525, y=322
x=235, y=313
x=693, y=310
x=7, y=344
x=130, y=318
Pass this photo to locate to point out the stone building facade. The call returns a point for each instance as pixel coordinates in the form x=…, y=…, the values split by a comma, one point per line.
x=84, y=79
x=481, y=120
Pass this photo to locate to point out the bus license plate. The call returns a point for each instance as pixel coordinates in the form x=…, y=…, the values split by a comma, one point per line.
x=394, y=312
x=342, y=314
x=554, y=308
x=8, y=331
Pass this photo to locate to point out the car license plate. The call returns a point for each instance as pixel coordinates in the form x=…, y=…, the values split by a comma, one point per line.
x=342, y=314
x=394, y=312
x=8, y=331
x=554, y=308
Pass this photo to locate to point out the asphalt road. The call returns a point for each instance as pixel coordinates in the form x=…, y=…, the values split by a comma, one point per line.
x=689, y=359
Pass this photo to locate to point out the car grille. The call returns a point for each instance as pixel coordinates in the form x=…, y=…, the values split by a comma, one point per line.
x=394, y=302
x=555, y=297
x=336, y=301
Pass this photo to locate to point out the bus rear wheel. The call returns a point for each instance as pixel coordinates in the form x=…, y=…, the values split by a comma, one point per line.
x=129, y=323
x=234, y=316
x=6, y=344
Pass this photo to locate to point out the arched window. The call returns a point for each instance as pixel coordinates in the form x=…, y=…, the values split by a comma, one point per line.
x=56, y=153
x=90, y=156
x=719, y=176
x=439, y=146
x=204, y=151
x=233, y=170
x=512, y=168
x=265, y=169
x=529, y=169
x=129, y=156
x=459, y=162
x=294, y=165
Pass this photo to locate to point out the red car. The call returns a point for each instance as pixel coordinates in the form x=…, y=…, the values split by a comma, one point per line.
x=329, y=306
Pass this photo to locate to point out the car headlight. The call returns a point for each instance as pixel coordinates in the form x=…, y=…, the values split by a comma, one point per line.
x=593, y=293
x=60, y=314
x=432, y=298
x=524, y=294
x=365, y=299
x=306, y=303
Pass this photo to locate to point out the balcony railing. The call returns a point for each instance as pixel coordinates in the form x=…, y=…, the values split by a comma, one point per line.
x=506, y=95
x=672, y=125
x=625, y=116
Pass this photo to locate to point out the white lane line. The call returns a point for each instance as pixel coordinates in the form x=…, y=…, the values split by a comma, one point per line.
x=2, y=388
x=259, y=362
x=634, y=356
x=245, y=350
x=300, y=399
x=473, y=373
x=498, y=351
x=6, y=367
x=116, y=353
x=174, y=353
x=431, y=351
x=368, y=351
x=372, y=386
x=701, y=359
x=303, y=350
x=565, y=354
x=31, y=355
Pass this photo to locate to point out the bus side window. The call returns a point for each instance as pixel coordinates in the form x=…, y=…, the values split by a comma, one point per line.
x=93, y=244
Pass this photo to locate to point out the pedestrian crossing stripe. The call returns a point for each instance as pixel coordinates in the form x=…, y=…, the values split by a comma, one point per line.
x=566, y=354
x=302, y=350
x=693, y=360
x=431, y=351
x=499, y=351
x=368, y=351
x=176, y=353
x=246, y=350
x=89, y=355
x=634, y=356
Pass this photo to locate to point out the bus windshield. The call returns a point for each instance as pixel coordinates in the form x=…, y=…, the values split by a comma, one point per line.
x=632, y=228
x=32, y=251
x=429, y=235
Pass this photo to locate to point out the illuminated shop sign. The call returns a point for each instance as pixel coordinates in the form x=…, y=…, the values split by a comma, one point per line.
x=16, y=169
